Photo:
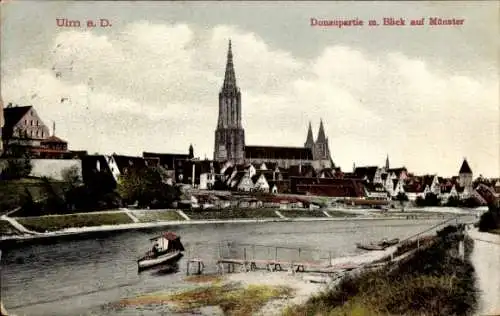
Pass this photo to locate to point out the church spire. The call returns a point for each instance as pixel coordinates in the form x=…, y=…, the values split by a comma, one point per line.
x=229, y=76
x=387, y=162
x=321, y=134
x=309, y=140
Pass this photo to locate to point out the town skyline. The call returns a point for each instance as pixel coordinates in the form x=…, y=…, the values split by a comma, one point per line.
x=415, y=107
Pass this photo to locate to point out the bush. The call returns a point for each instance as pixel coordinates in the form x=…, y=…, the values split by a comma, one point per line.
x=430, y=199
x=16, y=168
x=490, y=220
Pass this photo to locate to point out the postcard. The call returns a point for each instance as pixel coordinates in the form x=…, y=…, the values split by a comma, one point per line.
x=249, y=158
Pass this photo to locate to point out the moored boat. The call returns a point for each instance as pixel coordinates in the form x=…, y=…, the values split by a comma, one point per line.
x=381, y=245
x=167, y=248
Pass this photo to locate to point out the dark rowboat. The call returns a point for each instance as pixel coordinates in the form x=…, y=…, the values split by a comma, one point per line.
x=168, y=249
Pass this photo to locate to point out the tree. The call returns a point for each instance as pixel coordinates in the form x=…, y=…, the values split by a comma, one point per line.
x=145, y=186
x=430, y=199
x=71, y=176
x=16, y=168
x=453, y=201
x=402, y=198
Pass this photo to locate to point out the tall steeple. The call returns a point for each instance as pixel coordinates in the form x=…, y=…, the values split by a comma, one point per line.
x=387, y=162
x=309, y=140
x=321, y=133
x=229, y=76
x=229, y=135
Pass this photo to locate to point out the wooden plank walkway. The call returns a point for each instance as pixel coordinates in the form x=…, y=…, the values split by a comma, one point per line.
x=279, y=265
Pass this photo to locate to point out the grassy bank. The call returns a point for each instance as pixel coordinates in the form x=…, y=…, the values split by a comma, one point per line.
x=59, y=222
x=14, y=193
x=232, y=214
x=302, y=213
x=7, y=229
x=432, y=282
x=157, y=216
x=340, y=214
x=231, y=299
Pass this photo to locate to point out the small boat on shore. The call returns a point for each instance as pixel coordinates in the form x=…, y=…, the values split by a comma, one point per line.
x=381, y=245
x=167, y=249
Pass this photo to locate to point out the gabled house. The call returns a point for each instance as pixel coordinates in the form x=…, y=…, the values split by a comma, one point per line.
x=24, y=130
x=244, y=182
x=260, y=183
x=371, y=174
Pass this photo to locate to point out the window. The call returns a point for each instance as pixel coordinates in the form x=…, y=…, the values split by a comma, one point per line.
x=31, y=122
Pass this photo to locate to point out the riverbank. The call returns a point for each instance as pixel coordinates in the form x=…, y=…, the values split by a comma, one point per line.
x=28, y=228
x=435, y=280
x=408, y=277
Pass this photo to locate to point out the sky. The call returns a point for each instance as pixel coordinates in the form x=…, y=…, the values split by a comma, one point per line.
x=427, y=96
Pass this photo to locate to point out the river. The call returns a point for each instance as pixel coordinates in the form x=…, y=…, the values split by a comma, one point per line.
x=79, y=277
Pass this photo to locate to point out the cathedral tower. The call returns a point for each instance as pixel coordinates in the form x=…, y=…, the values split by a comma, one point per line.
x=229, y=135
x=309, y=140
x=321, y=150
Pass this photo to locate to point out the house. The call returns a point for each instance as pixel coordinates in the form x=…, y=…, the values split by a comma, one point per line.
x=260, y=183
x=176, y=165
x=376, y=191
x=327, y=187
x=371, y=174
x=24, y=131
x=398, y=173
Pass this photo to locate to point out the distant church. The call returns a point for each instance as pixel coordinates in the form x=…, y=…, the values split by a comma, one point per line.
x=230, y=135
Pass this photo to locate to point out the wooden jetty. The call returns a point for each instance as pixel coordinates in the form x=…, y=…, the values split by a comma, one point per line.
x=233, y=258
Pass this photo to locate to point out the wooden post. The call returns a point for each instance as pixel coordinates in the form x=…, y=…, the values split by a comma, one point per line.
x=276, y=254
x=253, y=252
x=245, y=254
x=329, y=258
x=187, y=267
x=299, y=253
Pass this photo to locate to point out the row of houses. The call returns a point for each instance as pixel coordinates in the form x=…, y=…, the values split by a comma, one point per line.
x=372, y=183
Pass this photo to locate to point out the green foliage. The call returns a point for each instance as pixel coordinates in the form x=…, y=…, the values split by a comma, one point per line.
x=490, y=220
x=232, y=213
x=430, y=199
x=453, y=201
x=59, y=222
x=16, y=168
x=71, y=176
x=431, y=282
x=402, y=197
x=146, y=187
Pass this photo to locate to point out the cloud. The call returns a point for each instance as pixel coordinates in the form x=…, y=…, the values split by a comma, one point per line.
x=155, y=87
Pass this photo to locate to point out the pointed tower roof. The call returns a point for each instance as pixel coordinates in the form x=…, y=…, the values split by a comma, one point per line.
x=321, y=133
x=387, y=162
x=465, y=169
x=229, y=76
x=309, y=139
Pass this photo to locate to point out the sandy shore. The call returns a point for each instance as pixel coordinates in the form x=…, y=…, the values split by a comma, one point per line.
x=302, y=287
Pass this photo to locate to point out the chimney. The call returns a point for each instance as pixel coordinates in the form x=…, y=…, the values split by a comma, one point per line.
x=53, y=128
